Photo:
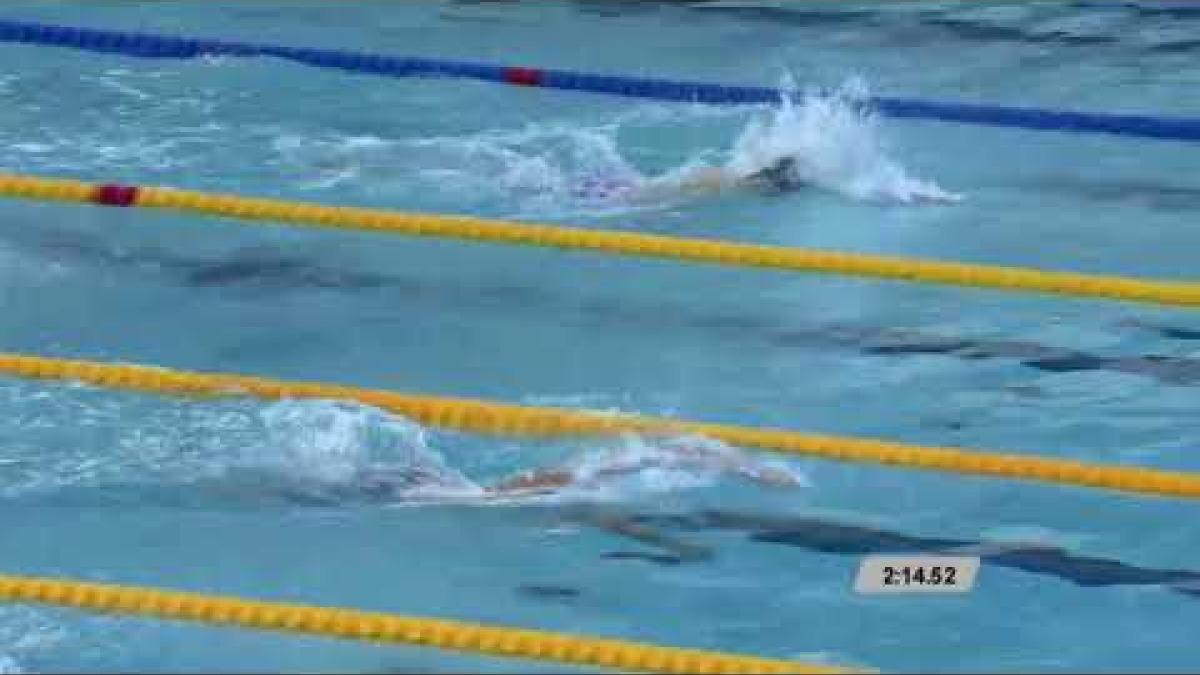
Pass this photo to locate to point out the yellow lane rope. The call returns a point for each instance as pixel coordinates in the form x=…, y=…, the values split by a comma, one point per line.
x=607, y=241
x=391, y=628
x=530, y=421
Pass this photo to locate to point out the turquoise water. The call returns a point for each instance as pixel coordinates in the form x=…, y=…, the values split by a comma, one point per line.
x=262, y=499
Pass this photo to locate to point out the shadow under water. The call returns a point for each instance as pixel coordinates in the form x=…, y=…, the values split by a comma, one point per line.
x=833, y=538
x=264, y=270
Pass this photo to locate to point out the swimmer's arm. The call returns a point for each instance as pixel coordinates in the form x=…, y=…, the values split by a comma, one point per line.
x=539, y=479
x=706, y=180
x=549, y=480
x=737, y=465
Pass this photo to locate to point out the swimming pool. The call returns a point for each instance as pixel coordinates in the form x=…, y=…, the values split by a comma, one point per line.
x=201, y=495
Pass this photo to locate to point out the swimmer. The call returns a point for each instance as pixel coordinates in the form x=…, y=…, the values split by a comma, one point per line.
x=779, y=177
x=783, y=175
x=550, y=480
x=387, y=484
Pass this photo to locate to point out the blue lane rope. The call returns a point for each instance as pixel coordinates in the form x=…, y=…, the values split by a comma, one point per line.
x=159, y=46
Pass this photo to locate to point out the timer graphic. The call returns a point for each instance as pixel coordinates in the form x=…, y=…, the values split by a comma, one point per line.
x=917, y=574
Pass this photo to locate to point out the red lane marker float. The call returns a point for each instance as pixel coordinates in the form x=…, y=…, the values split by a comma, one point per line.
x=526, y=77
x=115, y=195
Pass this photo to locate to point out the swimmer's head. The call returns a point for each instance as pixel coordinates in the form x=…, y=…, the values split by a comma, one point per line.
x=781, y=175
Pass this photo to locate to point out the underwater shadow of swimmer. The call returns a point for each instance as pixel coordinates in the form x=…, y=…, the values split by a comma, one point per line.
x=267, y=270
x=829, y=537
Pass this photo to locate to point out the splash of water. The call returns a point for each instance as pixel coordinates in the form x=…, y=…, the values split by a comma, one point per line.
x=335, y=452
x=837, y=144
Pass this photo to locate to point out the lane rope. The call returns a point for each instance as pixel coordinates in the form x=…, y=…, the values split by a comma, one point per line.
x=728, y=253
x=146, y=45
x=388, y=628
x=501, y=419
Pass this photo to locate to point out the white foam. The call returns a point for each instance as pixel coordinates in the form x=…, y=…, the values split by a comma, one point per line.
x=535, y=167
x=26, y=632
x=354, y=452
x=837, y=144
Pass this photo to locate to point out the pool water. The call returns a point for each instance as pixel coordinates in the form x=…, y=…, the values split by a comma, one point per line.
x=259, y=499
